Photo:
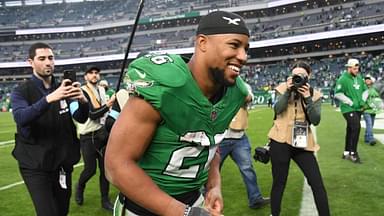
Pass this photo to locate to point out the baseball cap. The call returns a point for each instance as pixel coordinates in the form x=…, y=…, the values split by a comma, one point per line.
x=352, y=63
x=368, y=76
x=222, y=22
x=91, y=68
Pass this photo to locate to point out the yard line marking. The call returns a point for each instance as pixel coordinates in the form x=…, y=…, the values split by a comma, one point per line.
x=6, y=146
x=11, y=185
x=308, y=207
x=7, y=142
x=22, y=182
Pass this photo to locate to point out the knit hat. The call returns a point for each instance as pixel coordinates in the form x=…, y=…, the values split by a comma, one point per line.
x=222, y=22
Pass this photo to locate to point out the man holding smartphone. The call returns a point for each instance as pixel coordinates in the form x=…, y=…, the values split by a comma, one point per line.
x=46, y=144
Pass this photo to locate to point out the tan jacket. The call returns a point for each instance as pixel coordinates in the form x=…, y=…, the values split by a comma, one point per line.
x=281, y=130
x=240, y=121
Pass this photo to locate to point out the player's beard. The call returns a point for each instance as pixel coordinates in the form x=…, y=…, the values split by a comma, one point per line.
x=217, y=76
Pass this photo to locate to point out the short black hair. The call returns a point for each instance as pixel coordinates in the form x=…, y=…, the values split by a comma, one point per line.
x=302, y=64
x=35, y=46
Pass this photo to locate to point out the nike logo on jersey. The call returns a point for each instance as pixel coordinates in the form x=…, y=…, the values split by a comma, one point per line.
x=142, y=75
x=232, y=21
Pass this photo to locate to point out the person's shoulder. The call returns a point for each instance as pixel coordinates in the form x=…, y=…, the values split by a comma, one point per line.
x=24, y=86
x=165, y=69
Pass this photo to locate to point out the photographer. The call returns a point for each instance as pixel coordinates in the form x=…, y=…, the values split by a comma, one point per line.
x=46, y=144
x=297, y=106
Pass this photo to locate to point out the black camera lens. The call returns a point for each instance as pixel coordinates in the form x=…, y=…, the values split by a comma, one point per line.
x=299, y=79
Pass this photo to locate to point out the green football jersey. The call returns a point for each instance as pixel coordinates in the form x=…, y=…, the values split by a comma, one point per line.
x=185, y=142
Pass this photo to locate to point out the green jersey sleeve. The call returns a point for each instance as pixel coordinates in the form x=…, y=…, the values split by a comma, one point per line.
x=151, y=75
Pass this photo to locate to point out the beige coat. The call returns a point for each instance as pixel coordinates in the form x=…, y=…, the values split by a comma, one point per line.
x=281, y=130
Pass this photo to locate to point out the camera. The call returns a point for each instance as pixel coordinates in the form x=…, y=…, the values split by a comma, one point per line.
x=299, y=80
x=262, y=154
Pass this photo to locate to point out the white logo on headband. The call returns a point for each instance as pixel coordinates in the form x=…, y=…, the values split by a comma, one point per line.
x=232, y=21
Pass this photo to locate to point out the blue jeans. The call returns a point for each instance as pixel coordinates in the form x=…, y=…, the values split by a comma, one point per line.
x=369, y=122
x=240, y=152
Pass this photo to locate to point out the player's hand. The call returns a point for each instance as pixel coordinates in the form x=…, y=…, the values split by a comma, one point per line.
x=60, y=93
x=304, y=90
x=214, y=201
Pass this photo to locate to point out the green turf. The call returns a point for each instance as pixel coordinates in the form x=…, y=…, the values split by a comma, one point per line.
x=352, y=189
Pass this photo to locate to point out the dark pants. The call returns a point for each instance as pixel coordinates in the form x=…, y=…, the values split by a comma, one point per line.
x=281, y=155
x=93, y=149
x=353, y=130
x=48, y=197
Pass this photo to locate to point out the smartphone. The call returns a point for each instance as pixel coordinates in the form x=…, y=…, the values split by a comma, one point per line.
x=69, y=74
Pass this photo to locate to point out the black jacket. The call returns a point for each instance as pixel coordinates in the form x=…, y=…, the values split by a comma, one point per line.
x=52, y=141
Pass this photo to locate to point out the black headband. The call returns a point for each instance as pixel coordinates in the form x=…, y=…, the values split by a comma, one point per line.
x=222, y=22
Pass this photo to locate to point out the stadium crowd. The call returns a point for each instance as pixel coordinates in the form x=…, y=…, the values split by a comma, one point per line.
x=264, y=76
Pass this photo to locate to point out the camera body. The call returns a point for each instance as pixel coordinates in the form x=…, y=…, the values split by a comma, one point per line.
x=299, y=80
x=262, y=154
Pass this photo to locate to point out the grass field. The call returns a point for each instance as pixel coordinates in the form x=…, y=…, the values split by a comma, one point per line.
x=353, y=190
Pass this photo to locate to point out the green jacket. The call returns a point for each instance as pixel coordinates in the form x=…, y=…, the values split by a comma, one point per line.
x=349, y=90
x=373, y=101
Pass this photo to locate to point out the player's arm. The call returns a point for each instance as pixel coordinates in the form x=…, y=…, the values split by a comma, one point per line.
x=214, y=198
x=130, y=136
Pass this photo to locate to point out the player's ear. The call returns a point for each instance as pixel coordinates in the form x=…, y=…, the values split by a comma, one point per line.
x=201, y=42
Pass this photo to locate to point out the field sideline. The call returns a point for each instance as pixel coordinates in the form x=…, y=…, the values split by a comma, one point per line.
x=352, y=189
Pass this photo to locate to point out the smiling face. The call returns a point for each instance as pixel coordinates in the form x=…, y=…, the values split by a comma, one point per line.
x=225, y=55
x=43, y=62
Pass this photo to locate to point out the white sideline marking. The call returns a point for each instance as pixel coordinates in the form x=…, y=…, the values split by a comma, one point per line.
x=380, y=138
x=22, y=182
x=308, y=207
x=379, y=121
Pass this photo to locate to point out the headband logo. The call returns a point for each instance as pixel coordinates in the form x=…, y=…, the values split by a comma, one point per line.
x=232, y=21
